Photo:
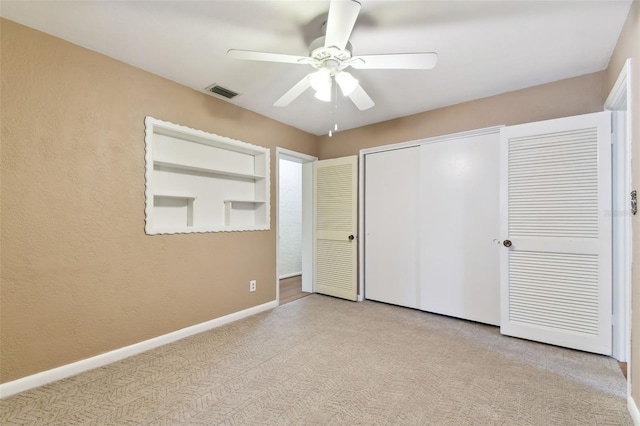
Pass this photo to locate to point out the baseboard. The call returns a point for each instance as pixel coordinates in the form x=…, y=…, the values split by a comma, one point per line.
x=59, y=373
x=633, y=410
x=285, y=276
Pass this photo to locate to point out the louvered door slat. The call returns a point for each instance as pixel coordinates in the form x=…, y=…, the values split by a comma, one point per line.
x=555, y=282
x=550, y=166
x=526, y=305
x=335, y=264
x=335, y=220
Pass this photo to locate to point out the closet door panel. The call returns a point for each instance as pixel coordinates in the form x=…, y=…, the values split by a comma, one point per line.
x=391, y=226
x=556, y=273
x=459, y=221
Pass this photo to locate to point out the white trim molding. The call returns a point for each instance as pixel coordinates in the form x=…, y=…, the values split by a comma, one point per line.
x=633, y=410
x=68, y=370
x=297, y=157
x=618, y=97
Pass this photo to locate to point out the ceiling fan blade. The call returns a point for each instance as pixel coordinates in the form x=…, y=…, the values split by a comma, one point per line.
x=294, y=92
x=405, y=61
x=251, y=55
x=342, y=18
x=361, y=99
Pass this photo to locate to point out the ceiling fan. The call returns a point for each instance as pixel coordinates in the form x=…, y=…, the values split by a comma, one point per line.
x=331, y=54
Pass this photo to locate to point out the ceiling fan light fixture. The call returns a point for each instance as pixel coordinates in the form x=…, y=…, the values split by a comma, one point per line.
x=324, y=95
x=346, y=82
x=321, y=82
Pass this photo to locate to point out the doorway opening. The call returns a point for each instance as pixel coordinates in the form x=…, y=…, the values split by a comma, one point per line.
x=294, y=225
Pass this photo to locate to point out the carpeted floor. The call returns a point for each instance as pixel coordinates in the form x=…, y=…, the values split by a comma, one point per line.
x=321, y=360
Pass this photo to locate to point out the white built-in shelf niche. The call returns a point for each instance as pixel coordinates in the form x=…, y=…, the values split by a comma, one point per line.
x=201, y=182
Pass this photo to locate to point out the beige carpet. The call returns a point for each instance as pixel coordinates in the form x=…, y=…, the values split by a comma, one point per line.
x=320, y=360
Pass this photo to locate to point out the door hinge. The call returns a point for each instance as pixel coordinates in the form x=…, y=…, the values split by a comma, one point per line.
x=634, y=202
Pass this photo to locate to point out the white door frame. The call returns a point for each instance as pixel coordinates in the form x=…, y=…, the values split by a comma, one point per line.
x=307, y=214
x=619, y=99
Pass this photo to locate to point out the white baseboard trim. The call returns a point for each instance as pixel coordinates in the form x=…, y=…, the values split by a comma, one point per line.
x=295, y=274
x=633, y=410
x=59, y=373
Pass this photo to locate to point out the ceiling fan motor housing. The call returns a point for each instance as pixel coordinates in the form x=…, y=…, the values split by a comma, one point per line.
x=331, y=58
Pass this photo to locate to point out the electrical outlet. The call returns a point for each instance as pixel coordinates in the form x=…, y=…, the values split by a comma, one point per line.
x=252, y=285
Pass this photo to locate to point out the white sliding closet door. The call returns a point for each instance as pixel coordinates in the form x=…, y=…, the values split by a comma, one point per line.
x=556, y=221
x=459, y=221
x=432, y=224
x=391, y=223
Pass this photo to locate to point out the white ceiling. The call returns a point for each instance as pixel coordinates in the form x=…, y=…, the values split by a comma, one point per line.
x=485, y=47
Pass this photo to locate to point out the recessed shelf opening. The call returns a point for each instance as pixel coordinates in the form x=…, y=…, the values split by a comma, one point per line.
x=201, y=182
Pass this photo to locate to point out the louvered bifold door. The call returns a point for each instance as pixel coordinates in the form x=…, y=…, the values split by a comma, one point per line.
x=556, y=230
x=335, y=248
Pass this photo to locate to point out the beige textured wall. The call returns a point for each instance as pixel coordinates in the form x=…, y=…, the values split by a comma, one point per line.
x=579, y=95
x=79, y=275
x=629, y=47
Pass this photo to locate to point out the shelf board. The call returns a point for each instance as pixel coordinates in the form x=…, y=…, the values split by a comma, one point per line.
x=187, y=168
x=244, y=201
x=184, y=197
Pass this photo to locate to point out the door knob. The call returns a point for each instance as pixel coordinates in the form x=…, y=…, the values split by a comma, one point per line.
x=351, y=237
x=506, y=243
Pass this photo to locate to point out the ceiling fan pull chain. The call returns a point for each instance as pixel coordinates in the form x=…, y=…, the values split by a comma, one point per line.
x=335, y=110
